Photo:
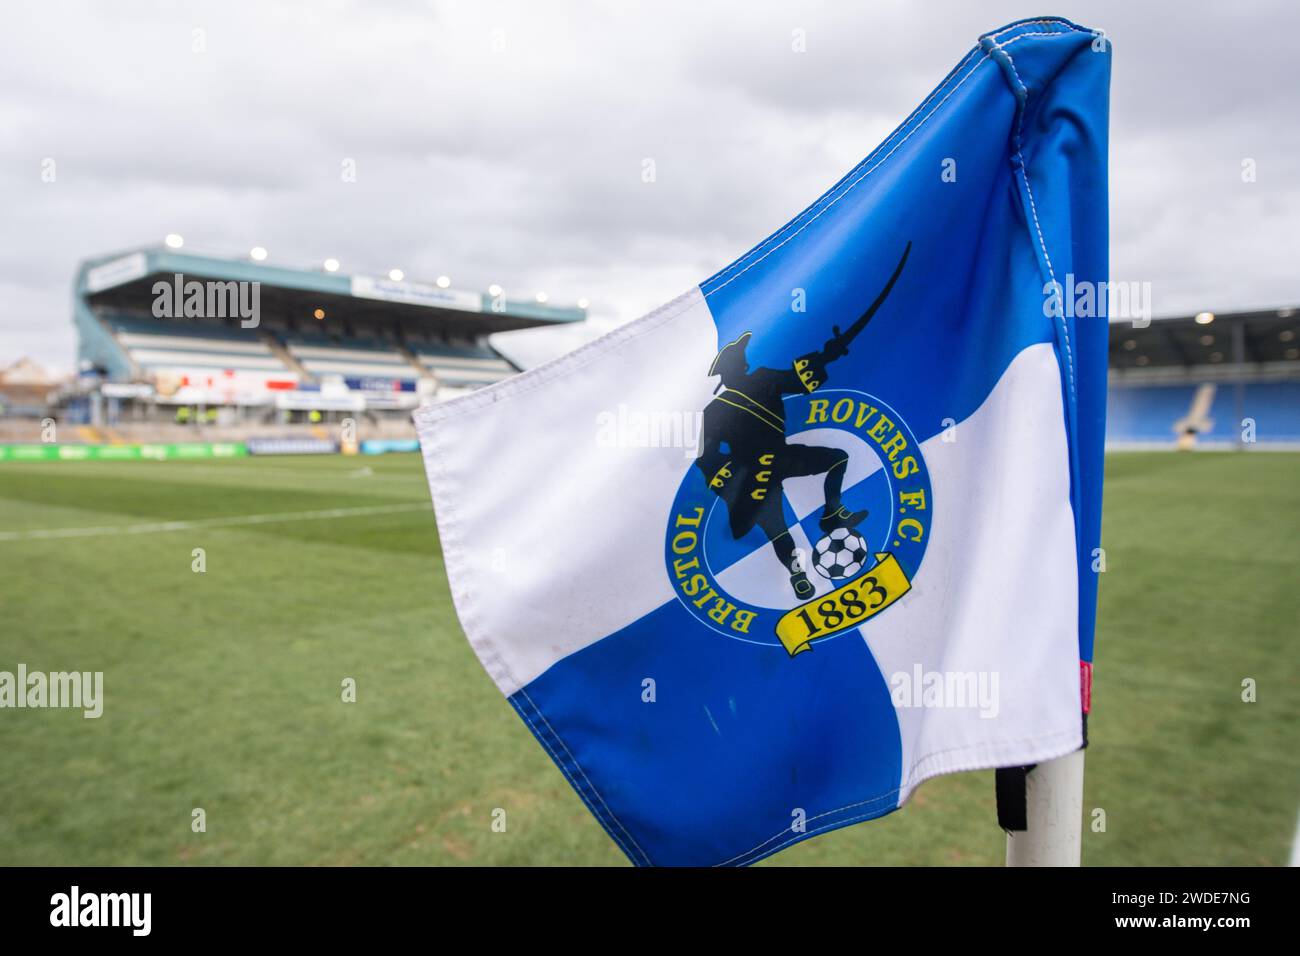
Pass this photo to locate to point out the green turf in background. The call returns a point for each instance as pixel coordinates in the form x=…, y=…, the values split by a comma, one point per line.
x=223, y=688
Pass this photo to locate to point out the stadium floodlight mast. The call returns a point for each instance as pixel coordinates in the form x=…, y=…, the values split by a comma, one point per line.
x=173, y=240
x=257, y=253
x=331, y=265
x=1053, y=815
x=397, y=275
x=443, y=282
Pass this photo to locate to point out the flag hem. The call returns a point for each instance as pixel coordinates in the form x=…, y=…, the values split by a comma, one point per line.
x=1048, y=751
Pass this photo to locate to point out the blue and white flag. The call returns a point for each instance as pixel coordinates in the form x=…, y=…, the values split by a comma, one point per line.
x=755, y=565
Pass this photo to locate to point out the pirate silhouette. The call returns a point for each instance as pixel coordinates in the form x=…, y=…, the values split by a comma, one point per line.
x=744, y=454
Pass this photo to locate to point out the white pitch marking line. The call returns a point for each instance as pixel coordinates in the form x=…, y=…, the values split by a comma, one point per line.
x=234, y=521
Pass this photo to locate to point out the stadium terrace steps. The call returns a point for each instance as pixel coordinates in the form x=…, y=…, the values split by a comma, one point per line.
x=468, y=350
x=192, y=343
x=463, y=366
x=409, y=357
x=169, y=358
x=373, y=356
x=199, y=349
x=285, y=356
x=349, y=357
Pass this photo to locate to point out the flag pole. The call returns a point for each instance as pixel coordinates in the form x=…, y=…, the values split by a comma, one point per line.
x=1053, y=813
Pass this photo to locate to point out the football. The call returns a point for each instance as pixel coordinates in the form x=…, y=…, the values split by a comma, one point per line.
x=841, y=554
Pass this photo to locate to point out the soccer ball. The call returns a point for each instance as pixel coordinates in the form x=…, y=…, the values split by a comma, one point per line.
x=841, y=554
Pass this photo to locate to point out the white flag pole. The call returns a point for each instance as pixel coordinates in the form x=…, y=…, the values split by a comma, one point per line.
x=1054, y=814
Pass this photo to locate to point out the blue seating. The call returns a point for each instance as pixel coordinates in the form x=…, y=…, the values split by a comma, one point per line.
x=1147, y=413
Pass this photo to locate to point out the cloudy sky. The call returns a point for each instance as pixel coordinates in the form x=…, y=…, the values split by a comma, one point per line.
x=503, y=142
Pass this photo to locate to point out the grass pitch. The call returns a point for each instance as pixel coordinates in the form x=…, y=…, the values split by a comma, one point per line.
x=223, y=688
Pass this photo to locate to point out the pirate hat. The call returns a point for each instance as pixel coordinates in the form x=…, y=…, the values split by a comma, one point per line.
x=732, y=354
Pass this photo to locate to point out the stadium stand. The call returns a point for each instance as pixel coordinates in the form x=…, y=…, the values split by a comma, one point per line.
x=326, y=345
x=1210, y=380
x=167, y=328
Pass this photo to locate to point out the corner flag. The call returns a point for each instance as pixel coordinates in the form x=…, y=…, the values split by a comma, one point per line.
x=757, y=564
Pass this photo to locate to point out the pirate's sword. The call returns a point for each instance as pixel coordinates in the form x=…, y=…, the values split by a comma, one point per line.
x=839, y=345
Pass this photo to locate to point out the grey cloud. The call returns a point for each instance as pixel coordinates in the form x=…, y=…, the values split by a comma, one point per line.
x=503, y=142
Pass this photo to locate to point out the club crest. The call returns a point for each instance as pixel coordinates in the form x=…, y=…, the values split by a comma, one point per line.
x=807, y=511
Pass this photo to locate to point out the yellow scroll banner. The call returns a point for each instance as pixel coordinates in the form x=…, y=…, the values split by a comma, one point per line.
x=847, y=606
